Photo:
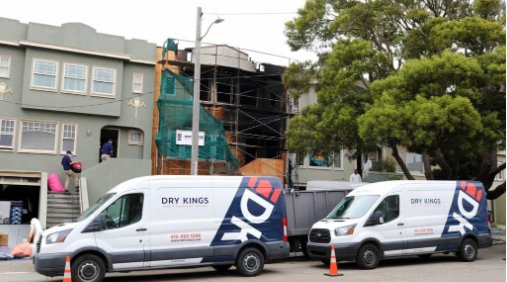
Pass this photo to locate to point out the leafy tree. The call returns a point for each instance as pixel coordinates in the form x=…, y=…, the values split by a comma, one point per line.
x=424, y=74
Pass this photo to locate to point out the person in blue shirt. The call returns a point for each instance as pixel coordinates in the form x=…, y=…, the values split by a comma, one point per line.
x=66, y=163
x=107, y=150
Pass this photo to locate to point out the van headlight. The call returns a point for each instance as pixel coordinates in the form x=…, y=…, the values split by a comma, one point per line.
x=57, y=237
x=345, y=230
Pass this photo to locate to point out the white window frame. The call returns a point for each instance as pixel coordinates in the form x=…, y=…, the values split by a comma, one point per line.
x=501, y=175
x=53, y=151
x=8, y=66
x=85, y=84
x=37, y=87
x=11, y=147
x=307, y=163
x=137, y=86
x=135, y=143
x=62, y=136
x=406, y=158
x=101, y=94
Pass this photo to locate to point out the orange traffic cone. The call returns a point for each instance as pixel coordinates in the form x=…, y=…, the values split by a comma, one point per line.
x=66, y=272
x=333, y=266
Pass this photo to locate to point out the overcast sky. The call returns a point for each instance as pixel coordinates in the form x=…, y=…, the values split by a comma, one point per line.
x=255, y=24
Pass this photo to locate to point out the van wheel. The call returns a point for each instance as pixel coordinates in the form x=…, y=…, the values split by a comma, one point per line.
x=88, y=268
x=250, y=262
x=222, y=267
x=368, y=257
x=304, y=249
x=468, y=250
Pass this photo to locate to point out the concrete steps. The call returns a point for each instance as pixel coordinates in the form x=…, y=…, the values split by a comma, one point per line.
x=62, y=207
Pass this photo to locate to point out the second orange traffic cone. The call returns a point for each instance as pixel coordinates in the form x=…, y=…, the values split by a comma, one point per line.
x=66, y=273
x=333, y=265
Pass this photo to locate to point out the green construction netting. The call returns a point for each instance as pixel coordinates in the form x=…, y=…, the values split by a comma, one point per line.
x=175, y=107
x=170, y=45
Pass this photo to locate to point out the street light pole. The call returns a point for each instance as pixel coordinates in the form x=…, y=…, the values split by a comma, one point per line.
x=194, y=161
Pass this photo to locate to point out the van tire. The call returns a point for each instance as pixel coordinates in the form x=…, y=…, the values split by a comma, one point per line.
x=368, y=257
x=304, y=249
x=88, y=268
x=468, y=250
x=222, y=267
x=250, y=262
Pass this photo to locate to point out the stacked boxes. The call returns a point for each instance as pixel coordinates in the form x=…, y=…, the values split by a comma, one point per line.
x=16, y=213
x=4, y=239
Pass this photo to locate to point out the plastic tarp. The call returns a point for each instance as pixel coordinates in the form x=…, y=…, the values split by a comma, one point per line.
x=175, y=108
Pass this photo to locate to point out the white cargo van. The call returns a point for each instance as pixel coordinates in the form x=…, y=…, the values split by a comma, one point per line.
x=400, y=218
x=158, y=222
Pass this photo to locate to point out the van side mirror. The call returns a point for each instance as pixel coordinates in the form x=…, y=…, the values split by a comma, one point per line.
x=376, y=218
x=97, y=224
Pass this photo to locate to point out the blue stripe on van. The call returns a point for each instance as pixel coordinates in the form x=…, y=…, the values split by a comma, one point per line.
x=467, y=213
x=261, y=192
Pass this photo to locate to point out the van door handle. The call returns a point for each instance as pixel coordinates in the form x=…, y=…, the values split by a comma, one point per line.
x=401, y=224
x=141, y=229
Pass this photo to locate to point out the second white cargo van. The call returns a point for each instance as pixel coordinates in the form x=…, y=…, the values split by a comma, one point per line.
x=400, y=218
x=169, y=222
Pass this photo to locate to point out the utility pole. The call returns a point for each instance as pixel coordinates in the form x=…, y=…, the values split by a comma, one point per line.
x=197, y=91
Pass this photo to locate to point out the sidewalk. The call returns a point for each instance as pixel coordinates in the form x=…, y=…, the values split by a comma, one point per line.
x=16, y=265
x=498, y=235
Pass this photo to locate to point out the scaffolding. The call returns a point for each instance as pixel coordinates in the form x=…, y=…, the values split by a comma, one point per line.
x=250, y=101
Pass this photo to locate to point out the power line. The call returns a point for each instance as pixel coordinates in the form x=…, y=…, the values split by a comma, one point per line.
x=239, y=48
x=253, y=14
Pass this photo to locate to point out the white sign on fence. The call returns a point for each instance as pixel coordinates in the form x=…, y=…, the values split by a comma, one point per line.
x=184, y=137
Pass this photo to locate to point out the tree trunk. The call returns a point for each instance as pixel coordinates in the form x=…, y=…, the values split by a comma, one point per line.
x=427, y=167
x=499, y=191
x=487, y=178
x=489, y=169
x=446, y=168
x=400, y=161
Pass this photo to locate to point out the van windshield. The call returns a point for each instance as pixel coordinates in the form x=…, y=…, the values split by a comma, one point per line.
x=352, y=207
x=95, y=206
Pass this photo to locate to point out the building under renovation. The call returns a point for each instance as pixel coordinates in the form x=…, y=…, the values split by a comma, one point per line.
x=243, y=113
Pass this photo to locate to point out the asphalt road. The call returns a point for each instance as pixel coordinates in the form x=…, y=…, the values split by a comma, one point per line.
x=490, y=266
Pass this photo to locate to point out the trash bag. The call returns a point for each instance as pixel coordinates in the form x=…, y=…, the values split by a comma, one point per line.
x=54, y=183
x=5, y=253
x=76, y=167
x=22, y=250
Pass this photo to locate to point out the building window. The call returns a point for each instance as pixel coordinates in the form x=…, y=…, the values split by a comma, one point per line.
x=333, y=160
x=7, y=133
x=38, y=136
x=293, y=105
x=136, y=137
x=103, y=81
x=74, y=78
x=69, y=137
x=501, y=175
x=44, y=74
x=5, y=66
x=414, y=162
x=137, y=83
